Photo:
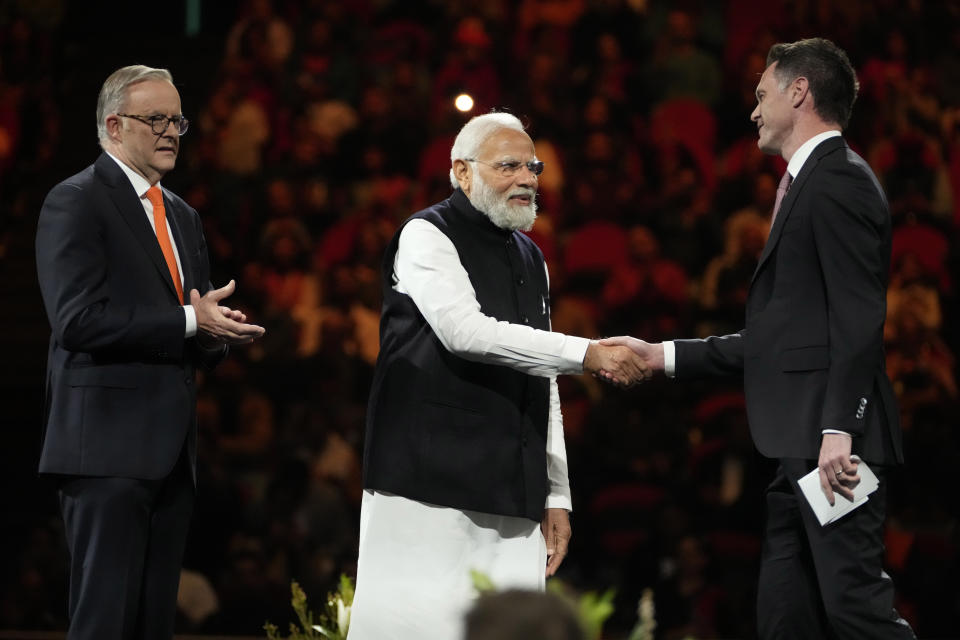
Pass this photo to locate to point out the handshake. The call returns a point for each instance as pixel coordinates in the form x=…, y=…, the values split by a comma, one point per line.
x=623, y=361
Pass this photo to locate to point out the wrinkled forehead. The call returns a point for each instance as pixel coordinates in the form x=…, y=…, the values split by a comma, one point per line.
x=507, y=144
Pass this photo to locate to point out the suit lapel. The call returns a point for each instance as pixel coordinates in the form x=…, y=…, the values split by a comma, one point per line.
x=786, y=206
x=131, y=211
x=177, y=227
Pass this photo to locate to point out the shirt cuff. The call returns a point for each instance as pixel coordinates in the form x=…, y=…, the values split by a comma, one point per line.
x=574, y=350
x=669, y=358
x=191, y=315
x=558, y=500
x=838, y=431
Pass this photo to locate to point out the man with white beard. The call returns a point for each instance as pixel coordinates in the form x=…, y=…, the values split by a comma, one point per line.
x=464, y=459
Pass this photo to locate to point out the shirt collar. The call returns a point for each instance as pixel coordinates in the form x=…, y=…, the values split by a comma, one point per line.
x=140, y=184
x=800, y=156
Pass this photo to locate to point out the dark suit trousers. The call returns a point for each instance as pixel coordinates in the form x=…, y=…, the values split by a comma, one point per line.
x=824, y=582
x=126, y=540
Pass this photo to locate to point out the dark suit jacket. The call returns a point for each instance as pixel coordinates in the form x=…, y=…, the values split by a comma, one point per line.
x=120, y=396
x=811, y=352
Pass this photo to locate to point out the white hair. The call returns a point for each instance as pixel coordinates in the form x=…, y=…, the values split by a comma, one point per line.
x=475, y=132
x=113, y=94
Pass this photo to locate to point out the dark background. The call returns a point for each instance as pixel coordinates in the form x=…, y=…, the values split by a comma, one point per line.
x=317, y=126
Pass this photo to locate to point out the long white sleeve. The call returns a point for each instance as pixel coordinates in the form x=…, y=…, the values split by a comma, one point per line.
x=557, y=477
x=428, y=269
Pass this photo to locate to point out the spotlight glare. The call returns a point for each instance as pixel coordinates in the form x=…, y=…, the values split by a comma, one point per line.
x=463, y=102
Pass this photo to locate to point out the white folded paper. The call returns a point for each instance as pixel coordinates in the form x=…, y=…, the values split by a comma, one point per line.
x=810, y=485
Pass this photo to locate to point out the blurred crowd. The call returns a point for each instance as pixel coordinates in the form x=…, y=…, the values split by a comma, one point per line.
x=322, y=124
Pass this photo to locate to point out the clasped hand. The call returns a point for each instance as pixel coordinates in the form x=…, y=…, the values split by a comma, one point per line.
x=623, y=361
x=219, y=322
x=616, y=364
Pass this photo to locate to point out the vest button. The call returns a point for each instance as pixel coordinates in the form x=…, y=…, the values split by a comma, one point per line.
x=520, y=280
x=526, y=320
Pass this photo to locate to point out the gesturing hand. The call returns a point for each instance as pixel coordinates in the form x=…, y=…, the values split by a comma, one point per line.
x=221, y=322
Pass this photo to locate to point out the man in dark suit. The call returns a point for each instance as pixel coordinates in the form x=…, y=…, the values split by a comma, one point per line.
x=811, y=355
x=115, y=254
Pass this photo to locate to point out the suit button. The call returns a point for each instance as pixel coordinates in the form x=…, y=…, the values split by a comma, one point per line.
x=526, y=320
x=520, y=280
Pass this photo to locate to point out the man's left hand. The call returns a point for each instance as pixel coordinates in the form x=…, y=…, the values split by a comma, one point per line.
x=556, y=533
x=219, y=322
x=838, y=473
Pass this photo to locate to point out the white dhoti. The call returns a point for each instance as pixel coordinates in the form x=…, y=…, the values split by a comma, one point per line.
x=413, y=572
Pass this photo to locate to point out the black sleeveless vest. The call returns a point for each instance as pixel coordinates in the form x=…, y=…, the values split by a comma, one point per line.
x=445, y=430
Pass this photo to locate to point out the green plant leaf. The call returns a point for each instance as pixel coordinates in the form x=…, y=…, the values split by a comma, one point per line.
x=481, y=581
x=271, y=630
x=346, y=589
x=327, y=633
x=594, y=610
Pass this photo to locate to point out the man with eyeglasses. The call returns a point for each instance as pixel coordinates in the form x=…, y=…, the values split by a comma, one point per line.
x=124, y=274
x=464, y=459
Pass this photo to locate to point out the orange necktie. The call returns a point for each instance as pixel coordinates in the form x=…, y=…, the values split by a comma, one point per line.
x=160, y=222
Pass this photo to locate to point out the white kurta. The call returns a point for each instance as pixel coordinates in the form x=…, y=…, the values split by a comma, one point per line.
x=413, y=573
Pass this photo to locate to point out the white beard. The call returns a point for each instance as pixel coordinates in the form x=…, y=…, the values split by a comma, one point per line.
x=513, y=217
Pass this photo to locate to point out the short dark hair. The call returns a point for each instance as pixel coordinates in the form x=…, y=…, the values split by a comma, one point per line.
x=826, y=67
x=522, y=615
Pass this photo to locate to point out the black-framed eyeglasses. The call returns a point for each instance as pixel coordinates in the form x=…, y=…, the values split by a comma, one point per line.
x=509, y=168
x=158, y=124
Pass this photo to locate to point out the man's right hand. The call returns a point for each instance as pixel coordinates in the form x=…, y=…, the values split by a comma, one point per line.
x=219, y=322
x=650, y=353
x=615, y=363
